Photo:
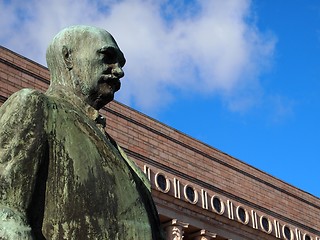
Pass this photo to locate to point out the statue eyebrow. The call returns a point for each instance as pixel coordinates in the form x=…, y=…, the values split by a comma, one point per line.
x=106, y=48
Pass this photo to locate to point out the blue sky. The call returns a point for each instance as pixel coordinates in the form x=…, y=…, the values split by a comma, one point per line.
x=241, y=76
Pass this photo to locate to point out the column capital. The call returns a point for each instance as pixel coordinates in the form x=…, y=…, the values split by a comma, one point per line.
x=175, y=222
x=174, y=229
x=203, y=235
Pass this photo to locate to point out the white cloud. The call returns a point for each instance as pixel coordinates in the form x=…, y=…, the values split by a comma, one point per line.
x=204, y=51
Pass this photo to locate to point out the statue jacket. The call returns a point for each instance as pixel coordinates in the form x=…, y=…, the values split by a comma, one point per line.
x=63, y=177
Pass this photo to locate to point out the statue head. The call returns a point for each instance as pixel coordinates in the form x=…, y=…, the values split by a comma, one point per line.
x=87, y=62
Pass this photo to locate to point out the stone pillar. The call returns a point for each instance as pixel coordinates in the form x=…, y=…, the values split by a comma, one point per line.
x=203, y=235
x=174, y=229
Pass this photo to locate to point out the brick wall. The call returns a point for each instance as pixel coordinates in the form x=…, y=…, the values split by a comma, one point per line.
x=165, y=149
x=181, y=153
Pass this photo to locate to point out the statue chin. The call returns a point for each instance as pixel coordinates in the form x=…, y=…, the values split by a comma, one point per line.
x=98, y=99
x=102, y=102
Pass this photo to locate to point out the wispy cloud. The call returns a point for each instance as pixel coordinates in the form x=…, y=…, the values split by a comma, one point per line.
x=282, y=108
x=203, y=47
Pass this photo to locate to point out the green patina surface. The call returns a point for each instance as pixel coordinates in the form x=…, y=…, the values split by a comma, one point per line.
x=61, y=175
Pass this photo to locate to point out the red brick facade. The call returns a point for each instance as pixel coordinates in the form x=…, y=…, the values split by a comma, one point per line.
x=227, y=199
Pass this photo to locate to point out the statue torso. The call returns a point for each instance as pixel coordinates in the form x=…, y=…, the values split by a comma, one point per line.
x=90, y=192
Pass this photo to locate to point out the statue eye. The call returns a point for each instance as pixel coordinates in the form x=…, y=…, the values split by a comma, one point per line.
x=109, y=54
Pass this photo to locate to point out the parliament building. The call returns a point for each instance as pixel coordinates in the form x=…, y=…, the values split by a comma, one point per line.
x=200, y=192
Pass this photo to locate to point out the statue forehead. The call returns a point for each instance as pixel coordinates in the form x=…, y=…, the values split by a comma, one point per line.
x=83, y=40
x=86, y=35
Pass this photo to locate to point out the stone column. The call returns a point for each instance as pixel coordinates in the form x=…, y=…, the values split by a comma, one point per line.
x=203, y=235
x=174, y=229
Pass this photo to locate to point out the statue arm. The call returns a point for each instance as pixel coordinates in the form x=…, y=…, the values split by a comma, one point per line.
x=22, y=148
x=145, y=187
x=135, y=168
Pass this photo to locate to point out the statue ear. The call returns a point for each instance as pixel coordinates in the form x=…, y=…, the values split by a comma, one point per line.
x=66, y=53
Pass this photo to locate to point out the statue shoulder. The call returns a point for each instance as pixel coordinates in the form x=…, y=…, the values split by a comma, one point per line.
x=23, y=108
x=26, y=97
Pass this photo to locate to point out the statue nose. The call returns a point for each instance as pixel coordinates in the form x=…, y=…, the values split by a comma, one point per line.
x=117, y=71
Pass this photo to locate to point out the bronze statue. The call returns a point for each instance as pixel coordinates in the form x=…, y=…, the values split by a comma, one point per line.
x=61, y=175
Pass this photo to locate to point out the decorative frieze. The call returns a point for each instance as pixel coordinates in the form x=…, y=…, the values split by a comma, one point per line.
x=225, y=207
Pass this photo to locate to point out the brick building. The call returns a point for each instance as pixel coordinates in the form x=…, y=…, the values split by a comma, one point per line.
x=200, y=192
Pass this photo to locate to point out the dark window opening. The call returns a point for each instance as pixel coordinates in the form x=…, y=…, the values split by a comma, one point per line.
x=162, y=182
x=265, y=224
x=217, y=204
x=307, y=237
x=190, y=194
x=287, y=232
x=242, y=214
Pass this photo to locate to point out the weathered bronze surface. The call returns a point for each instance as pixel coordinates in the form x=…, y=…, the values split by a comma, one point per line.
x=61, y=175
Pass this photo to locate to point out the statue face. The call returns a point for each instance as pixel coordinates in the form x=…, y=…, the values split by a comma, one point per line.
x=97, y=64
